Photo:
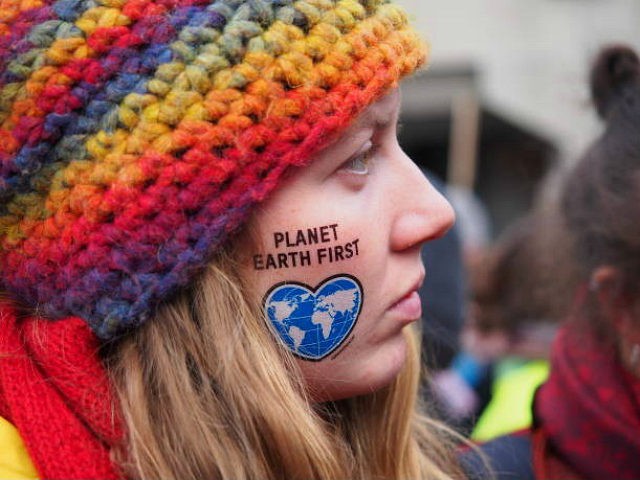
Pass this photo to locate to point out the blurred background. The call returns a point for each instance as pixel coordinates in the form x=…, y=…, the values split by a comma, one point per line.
x=505, y=97
x=500, y=115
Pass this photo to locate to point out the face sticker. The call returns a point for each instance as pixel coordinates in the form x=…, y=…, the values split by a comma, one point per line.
x=313, y=322
x=306, y=247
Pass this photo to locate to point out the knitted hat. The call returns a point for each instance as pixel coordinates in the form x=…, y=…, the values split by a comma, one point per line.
x=136, y=135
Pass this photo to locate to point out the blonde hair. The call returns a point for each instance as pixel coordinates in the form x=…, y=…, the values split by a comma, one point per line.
x=206, y=392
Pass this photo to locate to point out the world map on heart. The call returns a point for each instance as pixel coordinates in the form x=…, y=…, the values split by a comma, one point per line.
x=313, y=322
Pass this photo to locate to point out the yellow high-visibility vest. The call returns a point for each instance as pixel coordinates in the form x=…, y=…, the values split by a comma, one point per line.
x=510, y=407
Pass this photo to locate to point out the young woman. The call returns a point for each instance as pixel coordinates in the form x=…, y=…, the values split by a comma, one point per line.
x=210, y=242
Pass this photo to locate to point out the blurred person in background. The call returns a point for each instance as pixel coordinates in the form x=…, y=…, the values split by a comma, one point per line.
x=462, y=384
x=520, y=289
x=473, y=222
x=443, y=292
x=587, y=414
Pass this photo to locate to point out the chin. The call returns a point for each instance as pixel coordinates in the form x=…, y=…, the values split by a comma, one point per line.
x=385, y=364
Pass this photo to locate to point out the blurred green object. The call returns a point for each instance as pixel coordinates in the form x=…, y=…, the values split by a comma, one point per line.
x=514, y=386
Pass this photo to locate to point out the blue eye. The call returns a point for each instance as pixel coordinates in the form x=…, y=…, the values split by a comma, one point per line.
x=359, y=163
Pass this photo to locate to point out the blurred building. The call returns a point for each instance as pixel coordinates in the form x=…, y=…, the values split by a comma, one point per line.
x=505, y=96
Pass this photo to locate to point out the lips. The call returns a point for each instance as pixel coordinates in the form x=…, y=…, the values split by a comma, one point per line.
x=409, y=306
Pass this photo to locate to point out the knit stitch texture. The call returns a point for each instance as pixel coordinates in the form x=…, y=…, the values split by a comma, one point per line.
x=55, y=390
x=136, y=135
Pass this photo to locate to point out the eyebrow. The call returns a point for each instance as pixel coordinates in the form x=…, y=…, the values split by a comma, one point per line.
x=377, y=119
x=368, y=119
x=373, y=118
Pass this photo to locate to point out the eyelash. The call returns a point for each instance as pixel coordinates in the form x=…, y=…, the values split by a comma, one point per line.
x=363, y=157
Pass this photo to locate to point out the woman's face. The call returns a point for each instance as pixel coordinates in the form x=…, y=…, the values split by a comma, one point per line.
x=335, y=256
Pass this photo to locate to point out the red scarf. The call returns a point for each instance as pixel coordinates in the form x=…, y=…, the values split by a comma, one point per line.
x=54, y=390
x=589, y=410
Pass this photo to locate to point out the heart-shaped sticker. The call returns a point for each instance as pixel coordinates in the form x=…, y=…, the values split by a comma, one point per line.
x=313, y=322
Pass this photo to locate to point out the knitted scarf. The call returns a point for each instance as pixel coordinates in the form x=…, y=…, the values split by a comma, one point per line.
x=53, y=388
x=589, y=410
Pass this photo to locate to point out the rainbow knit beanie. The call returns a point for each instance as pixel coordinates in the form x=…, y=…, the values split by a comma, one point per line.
x=137, y=135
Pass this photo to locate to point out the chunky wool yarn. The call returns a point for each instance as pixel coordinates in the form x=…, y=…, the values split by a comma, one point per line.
x=136, y=135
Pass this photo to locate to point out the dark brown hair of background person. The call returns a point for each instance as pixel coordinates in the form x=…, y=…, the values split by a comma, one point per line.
x=526, y=278
x=601, y=202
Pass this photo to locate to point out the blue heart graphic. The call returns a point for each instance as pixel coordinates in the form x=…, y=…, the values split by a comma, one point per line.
x=312, y=323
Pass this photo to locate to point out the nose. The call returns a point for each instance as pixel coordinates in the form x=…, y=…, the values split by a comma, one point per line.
x=421, y=212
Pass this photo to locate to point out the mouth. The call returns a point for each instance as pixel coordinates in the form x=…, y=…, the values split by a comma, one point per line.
x=409, y=306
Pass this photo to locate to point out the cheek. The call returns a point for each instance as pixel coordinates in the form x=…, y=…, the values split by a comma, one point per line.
x=358, y=371
x=313, y=282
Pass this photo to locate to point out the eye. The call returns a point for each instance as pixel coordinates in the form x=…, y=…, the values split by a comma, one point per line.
x=359, y=163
